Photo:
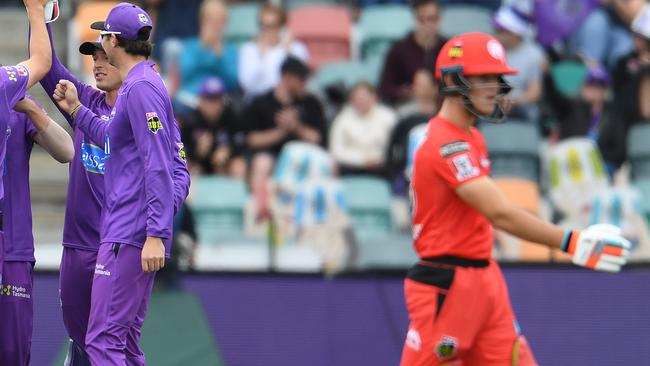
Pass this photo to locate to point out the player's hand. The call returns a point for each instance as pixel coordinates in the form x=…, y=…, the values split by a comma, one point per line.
x=600, y=247
x=65, y=95
x=153, y=255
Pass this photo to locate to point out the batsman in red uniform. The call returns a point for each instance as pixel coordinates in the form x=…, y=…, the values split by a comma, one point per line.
x=456, y=296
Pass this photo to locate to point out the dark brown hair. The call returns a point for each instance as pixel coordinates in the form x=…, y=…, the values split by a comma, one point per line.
x=140, y=47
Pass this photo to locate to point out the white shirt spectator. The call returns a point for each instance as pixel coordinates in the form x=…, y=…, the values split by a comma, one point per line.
x=356, y=140
x=259, y=73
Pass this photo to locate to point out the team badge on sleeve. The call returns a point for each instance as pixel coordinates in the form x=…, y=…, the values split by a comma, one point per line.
x=464, y=168
x=153, y=122
x=453, y=148
x=181, y=151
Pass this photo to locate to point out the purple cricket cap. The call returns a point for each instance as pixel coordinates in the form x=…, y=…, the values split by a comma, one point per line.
x=89, y=48
x=212, y=87
x=125, y=20
x=597, y=75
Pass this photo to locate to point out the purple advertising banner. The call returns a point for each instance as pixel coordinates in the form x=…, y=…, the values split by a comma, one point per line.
x=570, y=317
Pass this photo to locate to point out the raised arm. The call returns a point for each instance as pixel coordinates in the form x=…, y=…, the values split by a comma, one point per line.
x=47, y=133
x=40, y=58
x=67, y=99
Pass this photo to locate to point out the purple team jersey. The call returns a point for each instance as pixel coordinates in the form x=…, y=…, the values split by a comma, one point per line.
x=13, y=85
x=16, y=207
x=86, y=182
x=139, y=198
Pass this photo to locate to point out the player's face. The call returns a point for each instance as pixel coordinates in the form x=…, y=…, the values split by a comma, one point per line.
x=107, y=77
x=108, y=41
x=484, y=93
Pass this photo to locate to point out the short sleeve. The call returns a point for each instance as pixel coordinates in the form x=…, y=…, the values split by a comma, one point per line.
x=13, y=84
x=458, y=162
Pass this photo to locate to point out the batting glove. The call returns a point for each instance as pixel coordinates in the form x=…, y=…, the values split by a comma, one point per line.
x=600, y=247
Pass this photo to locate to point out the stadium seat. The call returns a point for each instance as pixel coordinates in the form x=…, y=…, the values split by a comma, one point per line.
x=88, y=13
x=643, y=185
x=345, y=73
x=325, y=31
x=638, y=151
x=382, y=25
x=219, y=208
x=461, y=18
x=294, y=4
x=524, y=194
x=513, y=148
x=242, y=23
x=368, y=202
x=568, y=77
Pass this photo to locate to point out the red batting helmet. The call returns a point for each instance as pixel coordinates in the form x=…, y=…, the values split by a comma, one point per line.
x=471, y=54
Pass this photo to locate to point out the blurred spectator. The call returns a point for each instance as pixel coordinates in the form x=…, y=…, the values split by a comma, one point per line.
x=419, y=111
x=175, y=20
x=418, y=50
x=214, y=139
x=260, y=59
x=626, y=113
x=628, y=68
x=603, y=36
x=359, y=134
x=424, y=99
x=283, y=114
x=208, y=54
x=514, y=31
x=582, y=116
x=183, y=248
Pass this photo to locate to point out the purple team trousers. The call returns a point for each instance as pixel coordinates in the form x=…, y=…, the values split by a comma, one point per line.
x=120, y=295
x=75, y=284
x=16, y=313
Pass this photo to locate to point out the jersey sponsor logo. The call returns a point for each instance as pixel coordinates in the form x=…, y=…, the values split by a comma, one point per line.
x=153, y=122
x=453, y=148
x=181, y=151
x=11, y=73
x=464, y=168
x=413, y=340
x=105, y=118
x=14, y=291
x=447, y=347
x=101, y=270
x=22, y=70
x=93, y=158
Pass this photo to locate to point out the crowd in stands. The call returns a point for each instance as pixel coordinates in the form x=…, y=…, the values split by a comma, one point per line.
x=240, y=101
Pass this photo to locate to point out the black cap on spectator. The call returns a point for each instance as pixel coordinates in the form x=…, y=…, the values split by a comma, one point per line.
x=294, y=66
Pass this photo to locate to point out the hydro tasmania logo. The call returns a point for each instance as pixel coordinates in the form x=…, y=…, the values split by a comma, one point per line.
x=14, y=291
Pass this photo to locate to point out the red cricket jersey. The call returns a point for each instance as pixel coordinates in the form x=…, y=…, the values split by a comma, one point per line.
x=443, y=224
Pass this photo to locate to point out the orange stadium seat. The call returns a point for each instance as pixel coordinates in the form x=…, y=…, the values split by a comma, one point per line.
x=88, y=13
x=524, y=194
x=325, y=30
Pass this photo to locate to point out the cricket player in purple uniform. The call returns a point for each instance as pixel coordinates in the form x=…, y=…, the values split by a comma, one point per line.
x=137, y=210
x=81, y=234
x=24, y=128
x=14, y=82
